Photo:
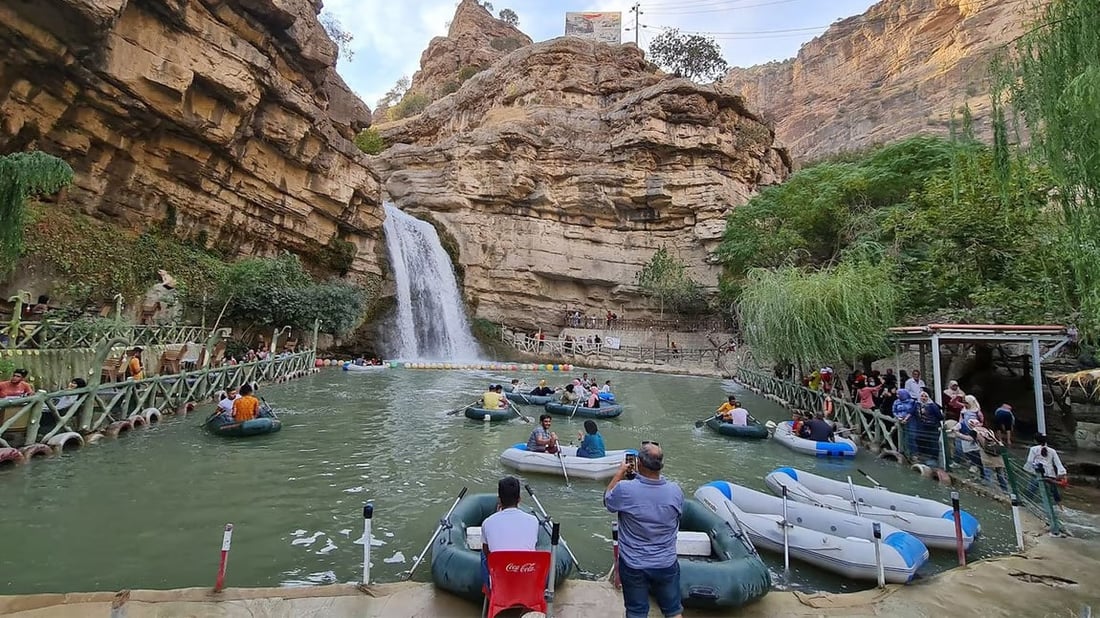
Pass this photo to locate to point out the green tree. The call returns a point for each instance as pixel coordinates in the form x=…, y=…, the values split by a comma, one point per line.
x=23, y=175
x=338, y=34
x=694, y=56
x=665, y=278
x=803, y=315
x=1053, y=80
x=370, y=141
x=509, y=17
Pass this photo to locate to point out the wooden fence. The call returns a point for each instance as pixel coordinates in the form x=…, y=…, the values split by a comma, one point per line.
x=99, y=404
x=48, y=334
x=579, y=351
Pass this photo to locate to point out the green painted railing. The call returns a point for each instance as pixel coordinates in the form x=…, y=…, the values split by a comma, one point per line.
x=871, y=425
x=48, y=334
x=97, y=405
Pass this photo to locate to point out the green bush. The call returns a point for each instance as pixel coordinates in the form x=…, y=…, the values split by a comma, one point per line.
x=338, y=255
x=411, y=105
x=370, y=141
x=450, y=87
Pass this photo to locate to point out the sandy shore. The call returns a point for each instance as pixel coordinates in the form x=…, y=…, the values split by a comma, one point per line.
x=1054, y=577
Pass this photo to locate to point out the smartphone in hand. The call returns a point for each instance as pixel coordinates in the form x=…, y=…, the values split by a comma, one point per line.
x=632, y=464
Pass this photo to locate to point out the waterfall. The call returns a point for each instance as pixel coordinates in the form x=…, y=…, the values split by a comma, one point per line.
x=431, y=320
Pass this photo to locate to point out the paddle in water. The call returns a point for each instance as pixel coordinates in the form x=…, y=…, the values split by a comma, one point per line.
x=442, y=522
x=518, y=413
x=459, y=409
x=546, y=522
x=870, y=478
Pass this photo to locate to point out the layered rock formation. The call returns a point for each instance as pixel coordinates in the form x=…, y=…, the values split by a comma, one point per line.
x=896, y=70
x=474, y=41
x=227, y=117
x=560, y=170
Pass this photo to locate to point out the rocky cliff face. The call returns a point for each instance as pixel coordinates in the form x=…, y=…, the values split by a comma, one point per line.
x=474, y=41
x=896, y=70
x=227, y=116
x=560, y=170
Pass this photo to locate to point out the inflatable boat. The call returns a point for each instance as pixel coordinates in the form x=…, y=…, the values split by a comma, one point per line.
x=265, y=423
x=456, y=552
x=727, y=572
x=353, y=368
x=754, y=430
x=830, y=540
x=610, y=411
x=530, y=400
x=495, y=416
x=519, y=458
x=842, y=447
x=930, y=521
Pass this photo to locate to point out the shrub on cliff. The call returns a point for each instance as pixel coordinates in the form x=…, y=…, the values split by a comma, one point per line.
x=370, y=141
x=411, y=105
x=665, y=278
x=278, y=291
x=22, y=175
x=506, y=43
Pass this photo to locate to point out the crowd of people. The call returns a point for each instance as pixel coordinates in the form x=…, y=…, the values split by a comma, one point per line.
x=975, y=439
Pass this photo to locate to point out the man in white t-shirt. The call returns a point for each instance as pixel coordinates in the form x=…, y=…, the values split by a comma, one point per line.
x=509, y=529
x=739, y=416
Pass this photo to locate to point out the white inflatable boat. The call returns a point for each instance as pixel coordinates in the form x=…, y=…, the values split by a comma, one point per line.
x=830, y=540
x=353, y=368
x=930, y=521
x=521, y=459
x=842, y=447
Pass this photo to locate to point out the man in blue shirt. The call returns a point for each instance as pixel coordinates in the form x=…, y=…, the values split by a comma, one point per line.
x=649, y=509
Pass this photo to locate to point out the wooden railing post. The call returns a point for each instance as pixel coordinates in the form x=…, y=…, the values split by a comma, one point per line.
x=95, y=379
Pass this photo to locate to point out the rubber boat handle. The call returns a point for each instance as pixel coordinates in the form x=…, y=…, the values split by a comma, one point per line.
x=555, y=534
x=703, y=592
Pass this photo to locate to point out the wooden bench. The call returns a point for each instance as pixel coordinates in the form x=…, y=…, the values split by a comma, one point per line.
x=290, y=345
x=148, y=311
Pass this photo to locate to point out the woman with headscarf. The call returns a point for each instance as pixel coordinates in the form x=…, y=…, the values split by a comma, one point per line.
x=542, y=390
x=591, y=442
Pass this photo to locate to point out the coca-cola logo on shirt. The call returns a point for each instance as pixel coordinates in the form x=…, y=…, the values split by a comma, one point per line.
x=526, y=567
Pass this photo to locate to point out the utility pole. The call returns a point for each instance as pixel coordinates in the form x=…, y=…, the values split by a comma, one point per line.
x=637, y=10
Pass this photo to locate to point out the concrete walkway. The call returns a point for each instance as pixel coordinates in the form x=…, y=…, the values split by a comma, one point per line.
x=1056, y=577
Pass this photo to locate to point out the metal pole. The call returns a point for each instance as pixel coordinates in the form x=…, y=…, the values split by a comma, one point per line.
x=855, y=501
x=368, y=513
x=786, y=537
x=958, y=528
x=937, y=387
x=227, y=537
x=1037, y=382
x=555, y=535
x=876, y=529
x=615, y=554
x=1016, y=522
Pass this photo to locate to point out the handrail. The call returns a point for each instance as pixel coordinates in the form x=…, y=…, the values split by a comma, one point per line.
x=48, y=334
x=98, y=405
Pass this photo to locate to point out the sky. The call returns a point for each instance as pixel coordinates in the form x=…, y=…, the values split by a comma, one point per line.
x=391, y=34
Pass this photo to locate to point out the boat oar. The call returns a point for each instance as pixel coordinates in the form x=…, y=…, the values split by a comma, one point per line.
x=870, y=478
x=270, y=410
x=855, y=501
x=564, y=472
x=699, y=424
x=518, y=413
x=786, y=537
x=575, y=406
x=461, y=408
x=445, y=521
x=546, y=522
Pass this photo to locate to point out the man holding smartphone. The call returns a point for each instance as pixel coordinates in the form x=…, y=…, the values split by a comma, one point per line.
x=649, y=508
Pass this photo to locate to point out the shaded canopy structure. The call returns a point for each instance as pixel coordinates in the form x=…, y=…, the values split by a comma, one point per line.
x=1044, y=342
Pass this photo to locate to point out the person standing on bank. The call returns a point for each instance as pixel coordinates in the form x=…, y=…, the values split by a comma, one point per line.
x=649, y=508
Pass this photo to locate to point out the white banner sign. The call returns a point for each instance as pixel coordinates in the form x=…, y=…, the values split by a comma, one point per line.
x=612, y=342
x=603, y=27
